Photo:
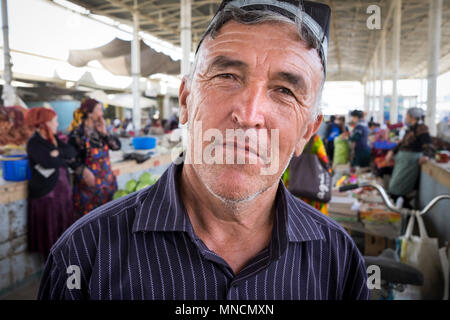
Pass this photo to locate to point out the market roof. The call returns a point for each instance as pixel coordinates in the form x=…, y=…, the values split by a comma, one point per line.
x=352, y=43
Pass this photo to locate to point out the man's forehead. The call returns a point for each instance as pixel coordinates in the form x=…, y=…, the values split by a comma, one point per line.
x=234, y=36
x=257, y=32
x=242, y=42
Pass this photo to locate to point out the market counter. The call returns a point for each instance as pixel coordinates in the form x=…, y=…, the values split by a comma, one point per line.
x=434, y=181
x=16, y=263
x=438, y=171
x=13, y=191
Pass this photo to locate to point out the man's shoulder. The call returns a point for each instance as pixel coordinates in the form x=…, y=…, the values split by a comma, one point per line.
x=122, y=210
x=327, y=225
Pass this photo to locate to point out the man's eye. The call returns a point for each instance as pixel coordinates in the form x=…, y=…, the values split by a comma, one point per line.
x=284, y=90
x=226, y=76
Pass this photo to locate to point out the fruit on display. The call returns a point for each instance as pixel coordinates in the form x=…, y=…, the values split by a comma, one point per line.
x=145, y=180
x=130, y=186
x=118, y=194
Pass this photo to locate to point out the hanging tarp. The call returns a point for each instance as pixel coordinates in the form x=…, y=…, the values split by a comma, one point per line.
x=116, y=58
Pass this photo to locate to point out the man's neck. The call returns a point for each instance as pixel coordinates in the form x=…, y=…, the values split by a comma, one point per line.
x=228, y=230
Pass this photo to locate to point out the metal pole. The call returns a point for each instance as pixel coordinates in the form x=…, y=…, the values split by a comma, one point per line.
x=186, y=37
x=366, y=98
x=434, y=47
x=375, y=72
x=397, y=25
x=8, y=95
x=136, y=71
x=382, y=65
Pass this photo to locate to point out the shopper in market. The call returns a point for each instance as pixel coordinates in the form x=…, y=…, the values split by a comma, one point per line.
x=226, y=231
x=413, y=150
x=95, y=182
x=341, y=144
x=50, y=209
x=359, y=138
x=332, y=131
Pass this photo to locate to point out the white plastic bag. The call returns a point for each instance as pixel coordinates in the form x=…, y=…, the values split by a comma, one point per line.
x=422, y=252
x=443, y=254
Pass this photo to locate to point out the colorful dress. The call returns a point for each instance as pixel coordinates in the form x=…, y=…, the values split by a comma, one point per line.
x=93, y=153
x=318, y=148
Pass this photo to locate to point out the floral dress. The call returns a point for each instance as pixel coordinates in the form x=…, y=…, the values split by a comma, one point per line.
x=93, y=153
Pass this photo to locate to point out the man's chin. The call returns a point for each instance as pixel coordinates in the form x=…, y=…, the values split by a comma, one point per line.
x=234, y=183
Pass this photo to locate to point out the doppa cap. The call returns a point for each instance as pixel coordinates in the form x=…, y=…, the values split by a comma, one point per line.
x=315, y=16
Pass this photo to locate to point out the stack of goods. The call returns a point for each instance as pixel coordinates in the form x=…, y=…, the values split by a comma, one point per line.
x=343, y=207
x=375, y=215
x=13, y=130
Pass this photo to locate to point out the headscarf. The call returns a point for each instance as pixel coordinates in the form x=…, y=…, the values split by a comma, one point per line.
x=37, y=118
x=86, y=107
x=416, y=113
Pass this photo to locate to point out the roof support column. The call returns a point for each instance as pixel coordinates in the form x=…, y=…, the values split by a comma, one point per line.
x=434, y=47
x=375, y=74
x=369, y=107
x=366, y=97
x=136, y=70
x=382, y=65
x=186, y=37
x=397, y=25
x=8, y=96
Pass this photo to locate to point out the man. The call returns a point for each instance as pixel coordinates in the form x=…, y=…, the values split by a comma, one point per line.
x=225, y=230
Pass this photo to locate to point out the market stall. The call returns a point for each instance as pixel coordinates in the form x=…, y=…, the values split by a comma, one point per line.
x=17, y=264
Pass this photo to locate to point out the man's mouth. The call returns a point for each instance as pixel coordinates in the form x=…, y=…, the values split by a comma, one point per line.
x=249, y=150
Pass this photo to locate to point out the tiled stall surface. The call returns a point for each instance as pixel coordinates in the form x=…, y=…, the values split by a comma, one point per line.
x=16, y=263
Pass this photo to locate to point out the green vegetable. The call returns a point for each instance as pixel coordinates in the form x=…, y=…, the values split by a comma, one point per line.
x=145, y=178
x=119, y=193
x=131, y=186
x=141, y=186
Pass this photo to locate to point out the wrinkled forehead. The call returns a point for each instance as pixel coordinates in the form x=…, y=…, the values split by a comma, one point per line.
x=270, y=37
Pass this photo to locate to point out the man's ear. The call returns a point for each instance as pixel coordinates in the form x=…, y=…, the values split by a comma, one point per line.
x=311, y=129
x=183, y=95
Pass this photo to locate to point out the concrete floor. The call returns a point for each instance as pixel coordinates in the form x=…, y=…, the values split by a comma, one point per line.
x=26, y=291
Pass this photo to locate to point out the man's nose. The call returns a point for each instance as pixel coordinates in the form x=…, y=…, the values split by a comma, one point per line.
x=249, y=111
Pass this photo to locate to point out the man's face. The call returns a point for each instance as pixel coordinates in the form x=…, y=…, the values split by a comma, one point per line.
x=252, y=77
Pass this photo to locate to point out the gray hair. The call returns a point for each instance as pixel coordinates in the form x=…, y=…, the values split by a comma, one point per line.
x=257, y=17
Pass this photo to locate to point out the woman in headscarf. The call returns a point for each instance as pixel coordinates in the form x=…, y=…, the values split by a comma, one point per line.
x=95, y=182
x=414, y=150
x=50, y=209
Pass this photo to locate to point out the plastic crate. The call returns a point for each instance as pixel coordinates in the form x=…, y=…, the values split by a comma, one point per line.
x=143, y=143
x=16, y=170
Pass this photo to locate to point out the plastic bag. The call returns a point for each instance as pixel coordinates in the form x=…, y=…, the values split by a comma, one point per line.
x=422, y=252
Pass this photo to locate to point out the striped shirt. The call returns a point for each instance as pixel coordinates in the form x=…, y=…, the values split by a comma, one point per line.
x=143, y=246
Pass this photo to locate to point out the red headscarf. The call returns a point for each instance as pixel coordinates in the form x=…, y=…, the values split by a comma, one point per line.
x=37, y=118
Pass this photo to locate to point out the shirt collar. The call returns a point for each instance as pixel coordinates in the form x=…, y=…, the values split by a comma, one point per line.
x=163, y=210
